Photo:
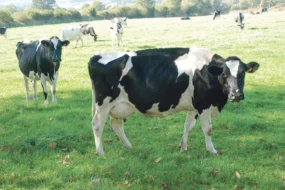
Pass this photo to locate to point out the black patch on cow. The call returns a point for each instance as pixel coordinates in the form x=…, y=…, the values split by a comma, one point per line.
x=154, y=79
x=106, y=78
x=207, y=88
x=174, y=53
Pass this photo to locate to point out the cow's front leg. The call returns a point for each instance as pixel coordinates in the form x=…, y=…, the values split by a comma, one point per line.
x=206, y=122
x=53, y=87
x=118, y=126
x=45, y=89
x=188, y=125
x=98, y=121
x=26, y=84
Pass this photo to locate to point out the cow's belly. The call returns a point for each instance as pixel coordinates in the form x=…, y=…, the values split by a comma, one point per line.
x=122, y=110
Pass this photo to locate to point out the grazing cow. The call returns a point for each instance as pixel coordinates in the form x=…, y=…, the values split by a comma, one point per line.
x=3, y=31
x=116, y=33
x=217, y=13
x=40, y=60
x=159, y=82
x=71, y=34
x=263, y=10
x=88, y=29
x=238, y=18
x=185, y=18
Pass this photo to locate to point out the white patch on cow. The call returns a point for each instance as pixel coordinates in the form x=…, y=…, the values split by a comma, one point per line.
x=195, y=59
x=122, y=110
x=72, y=34
x=55, y=41
x=107, y=57
x=128, y=66
x=233, y=66
x=33, y=75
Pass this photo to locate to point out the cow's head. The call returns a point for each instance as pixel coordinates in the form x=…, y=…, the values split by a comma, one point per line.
x=95, y=37
x=55, y=47
x=232, y=77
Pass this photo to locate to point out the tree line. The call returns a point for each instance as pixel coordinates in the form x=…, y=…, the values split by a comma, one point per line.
x=46, y=11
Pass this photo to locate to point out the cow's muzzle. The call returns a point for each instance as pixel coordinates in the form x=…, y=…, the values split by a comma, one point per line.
x=236, y=97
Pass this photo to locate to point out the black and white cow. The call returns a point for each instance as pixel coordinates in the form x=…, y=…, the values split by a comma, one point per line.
x=116, y=32
x=238, y=18
x=40, y=60
x=159, y=82
x=263, y=10
x=88, y=29
x=3, y=31
x=217, y=13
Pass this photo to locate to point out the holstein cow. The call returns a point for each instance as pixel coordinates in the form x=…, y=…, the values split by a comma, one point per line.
x=3, y=31
x=71, y=34
x=238, y=18
x=159, y=82
x=40, y=60
x=217, y=13
x=88, y=29
x=116, y=33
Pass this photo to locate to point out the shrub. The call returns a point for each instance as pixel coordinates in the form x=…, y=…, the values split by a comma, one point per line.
x=20, y=17
x=5, y=17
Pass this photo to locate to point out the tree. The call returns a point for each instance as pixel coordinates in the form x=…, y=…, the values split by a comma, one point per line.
x=43, y=4
x=145, y=3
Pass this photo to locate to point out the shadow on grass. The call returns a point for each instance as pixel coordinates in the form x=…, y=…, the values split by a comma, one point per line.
x=146, y=47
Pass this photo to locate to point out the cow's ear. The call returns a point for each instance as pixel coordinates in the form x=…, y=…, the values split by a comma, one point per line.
x=65, y=43
x=215, y=70
x=252, y=67
x=45, y=43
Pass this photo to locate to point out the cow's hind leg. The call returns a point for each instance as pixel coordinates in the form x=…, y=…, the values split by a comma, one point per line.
x=206, y=122
x=118, y=126
x=26, y=84
x=98, y=121
x=188, y=125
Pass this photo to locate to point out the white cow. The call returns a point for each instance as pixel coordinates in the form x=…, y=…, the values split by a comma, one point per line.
x=72, y=34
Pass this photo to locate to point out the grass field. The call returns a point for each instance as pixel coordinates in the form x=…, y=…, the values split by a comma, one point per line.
x=52, y=146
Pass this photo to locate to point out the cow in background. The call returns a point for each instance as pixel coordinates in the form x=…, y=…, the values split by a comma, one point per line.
x=159, y=82
x=88, y=29
x=40, y=60
x=238, y=18
x=263, y=10
x=122, y=20
x=72, y=34
x=217, y=13
x=3, y=31
x=116, y=32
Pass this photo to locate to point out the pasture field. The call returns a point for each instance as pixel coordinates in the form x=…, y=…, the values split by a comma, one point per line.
x=52, y=146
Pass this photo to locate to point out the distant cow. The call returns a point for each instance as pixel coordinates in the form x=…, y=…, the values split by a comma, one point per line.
x=122, y=20
x=217, y=13
x=3, y=31
x=185, y=18
x=238, y=18
x=159, y=82
x=116, y=33
x=40, y=60
x=263, y=10
x=71, y=34
x=88, y=29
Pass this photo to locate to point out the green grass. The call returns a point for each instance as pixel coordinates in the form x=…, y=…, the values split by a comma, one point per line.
x=35, y=139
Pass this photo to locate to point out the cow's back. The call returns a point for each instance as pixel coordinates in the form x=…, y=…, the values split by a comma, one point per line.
x=71, y=34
